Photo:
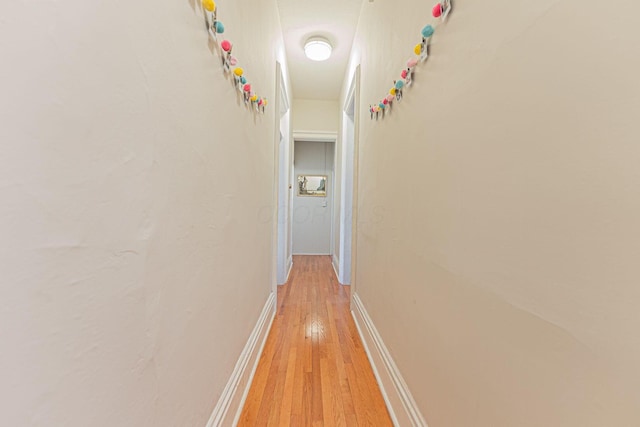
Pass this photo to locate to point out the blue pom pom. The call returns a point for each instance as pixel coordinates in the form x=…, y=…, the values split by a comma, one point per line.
x=399, y=84
x=382, y=105
x=243, y=80
x=427, y=31
x=219, y=27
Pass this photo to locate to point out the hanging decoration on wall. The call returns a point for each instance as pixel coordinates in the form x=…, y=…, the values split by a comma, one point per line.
x=229, y=62
x=421, y=50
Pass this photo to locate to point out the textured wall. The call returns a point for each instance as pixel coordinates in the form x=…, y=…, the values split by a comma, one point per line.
x=126, y=227
x=499, y=212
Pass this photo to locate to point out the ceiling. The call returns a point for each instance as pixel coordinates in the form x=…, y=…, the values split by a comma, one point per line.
x=335, y=20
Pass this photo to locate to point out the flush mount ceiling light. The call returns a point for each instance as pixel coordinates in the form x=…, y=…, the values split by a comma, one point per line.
x=317, y=49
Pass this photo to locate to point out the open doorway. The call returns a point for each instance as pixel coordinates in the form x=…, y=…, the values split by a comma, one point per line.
x=313, y=197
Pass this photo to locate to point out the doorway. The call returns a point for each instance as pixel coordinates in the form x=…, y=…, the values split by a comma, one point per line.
x=313, y=197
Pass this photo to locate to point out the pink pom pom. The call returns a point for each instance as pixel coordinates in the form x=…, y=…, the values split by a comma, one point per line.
x=233, y=61
x=260, y=102
x=437, y=10
x=226, y=45
x=389, y=98
x=385, y=101
x=404, y=74
x=412, y=63
x=247, y=87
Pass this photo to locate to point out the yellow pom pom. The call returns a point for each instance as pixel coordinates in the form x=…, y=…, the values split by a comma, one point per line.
x=418, y=49
x=254, y=98
x=210, y=5
x=264, y=101
x=392, y=91
x=238, y=71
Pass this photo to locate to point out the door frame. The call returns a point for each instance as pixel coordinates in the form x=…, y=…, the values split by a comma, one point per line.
x=349, y=183
x=283, y=155
x=317, y=136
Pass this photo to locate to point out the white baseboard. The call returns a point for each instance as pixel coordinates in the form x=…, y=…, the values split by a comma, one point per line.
x=229, y=407
x=402, y=408
x=288, y=267
x=290, y=262
x=335, y=263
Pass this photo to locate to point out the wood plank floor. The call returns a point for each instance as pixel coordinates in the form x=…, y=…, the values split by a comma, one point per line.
x=314, y=371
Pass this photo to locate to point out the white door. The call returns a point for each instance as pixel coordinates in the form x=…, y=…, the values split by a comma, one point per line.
x=312, y=211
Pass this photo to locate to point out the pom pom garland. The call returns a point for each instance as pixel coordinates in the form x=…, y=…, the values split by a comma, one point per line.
x=209, y=5
x=437, y=10
x=229, y=62
x=427, y=31
x=421, y=50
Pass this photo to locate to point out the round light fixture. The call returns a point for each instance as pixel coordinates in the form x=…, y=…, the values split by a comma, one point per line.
x=317, y=49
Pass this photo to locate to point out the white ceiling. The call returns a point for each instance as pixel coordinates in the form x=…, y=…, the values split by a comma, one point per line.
x=335, y=20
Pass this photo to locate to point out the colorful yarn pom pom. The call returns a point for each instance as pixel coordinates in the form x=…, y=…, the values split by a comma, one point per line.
x=209, y=5
x=381, y=105
x=427, y=31
x=219, y=26
x=226, y=45
x=247, y=87
x=417, y=49
x=399, y=84
x=238, y=72
x=233, y=61
x=243, y=80
x=254, y=98
x=404, y=74
x=392, y=91
x=390, y=98
x=260, y=102
x=385, y=101
x=412, y=63
x=437, y=10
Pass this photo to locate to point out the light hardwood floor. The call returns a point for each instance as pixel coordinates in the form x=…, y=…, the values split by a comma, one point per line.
x=314, y=370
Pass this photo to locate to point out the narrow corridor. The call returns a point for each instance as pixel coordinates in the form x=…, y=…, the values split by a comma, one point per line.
x=314, y=370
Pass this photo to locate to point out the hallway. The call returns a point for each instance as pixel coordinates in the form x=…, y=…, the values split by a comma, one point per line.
x=314, y=370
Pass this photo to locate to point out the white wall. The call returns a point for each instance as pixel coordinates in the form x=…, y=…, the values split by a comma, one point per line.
x=499, y=214
x=125, y=222
x=313, y=216
x=315, y=115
